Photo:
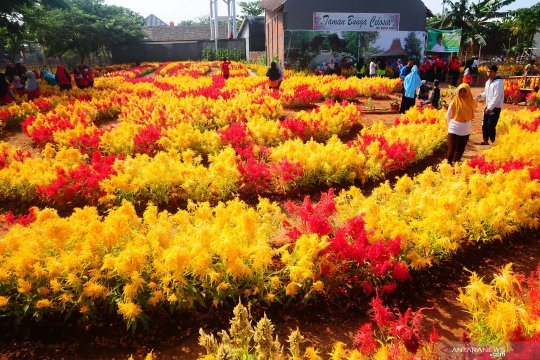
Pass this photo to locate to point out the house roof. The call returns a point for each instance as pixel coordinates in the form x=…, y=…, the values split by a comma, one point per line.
x=253, y=22
x=256, y=32
x=153, y=20
x=271, y=5
x=182, y=33
x=395, y=49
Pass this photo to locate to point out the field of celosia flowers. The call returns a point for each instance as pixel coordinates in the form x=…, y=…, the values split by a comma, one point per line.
x=149, y=197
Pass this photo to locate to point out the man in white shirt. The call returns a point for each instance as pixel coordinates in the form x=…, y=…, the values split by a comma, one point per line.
x=372, y=68
x=494, y=96
x=438, y=47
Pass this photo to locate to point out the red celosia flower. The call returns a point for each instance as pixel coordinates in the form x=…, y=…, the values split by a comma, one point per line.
x=401, y=272
x=380, y=313
x=364, y=340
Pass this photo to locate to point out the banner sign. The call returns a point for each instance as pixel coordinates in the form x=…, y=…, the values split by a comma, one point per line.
x=443, y=41
x=325, y=21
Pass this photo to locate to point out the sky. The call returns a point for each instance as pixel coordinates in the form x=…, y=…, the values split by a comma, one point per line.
x=178, y=10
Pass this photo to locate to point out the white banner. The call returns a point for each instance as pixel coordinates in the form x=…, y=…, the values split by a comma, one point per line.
x=325, y=21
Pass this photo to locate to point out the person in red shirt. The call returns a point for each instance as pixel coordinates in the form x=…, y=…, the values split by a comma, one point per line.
x=454, y=66
x=88, y=75
x=80, y=80
x=63, y=79
x=428, y=69
x=467, y=77
x=225, y=68
x=439, y=66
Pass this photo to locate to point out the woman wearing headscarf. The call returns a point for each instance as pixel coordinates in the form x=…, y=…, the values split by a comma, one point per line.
x=32, y=86
x=63, y=78
x=411, y=83
x=80, y=79
x=459, y=116
x=273, y=76
x=87, y=73
x=6, y=95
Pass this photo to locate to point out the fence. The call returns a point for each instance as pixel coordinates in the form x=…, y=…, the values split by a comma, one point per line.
x=172, y=51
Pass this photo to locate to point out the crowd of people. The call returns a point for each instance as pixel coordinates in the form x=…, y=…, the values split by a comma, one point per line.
x=18, y=81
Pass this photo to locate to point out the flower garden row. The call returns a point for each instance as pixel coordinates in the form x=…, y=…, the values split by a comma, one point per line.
x=208, y=255
x=199, y=138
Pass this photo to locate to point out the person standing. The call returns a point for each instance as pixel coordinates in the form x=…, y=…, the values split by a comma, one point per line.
x=474, y=70
x=406, y=70
x=494, y=96
x=372, y=68
x=530, y=70
x=454, y=67
x=467, y=77
x=428, y=69
x=411, y=83
x=435, y=97
x=439, y=68
x=225, y=71
x=459, y=116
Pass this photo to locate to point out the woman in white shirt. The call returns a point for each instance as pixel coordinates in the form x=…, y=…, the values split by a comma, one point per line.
x=459, y=116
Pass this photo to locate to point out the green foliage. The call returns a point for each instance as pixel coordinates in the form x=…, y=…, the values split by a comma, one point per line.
x=81, y=27
x=251, y=8
x=209, y=54
x=476, y=19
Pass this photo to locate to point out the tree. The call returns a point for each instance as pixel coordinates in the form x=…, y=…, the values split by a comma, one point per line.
x=15, y=17
x=86, y=27
x=475, y=20
x=522, y=25
x=413, y=46
x=251, y=8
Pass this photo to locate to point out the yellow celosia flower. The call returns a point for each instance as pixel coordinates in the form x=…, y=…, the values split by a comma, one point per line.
x=94, y=291
x=44, y=304
x=129, y=310
x=291, y=289
x=4, y=301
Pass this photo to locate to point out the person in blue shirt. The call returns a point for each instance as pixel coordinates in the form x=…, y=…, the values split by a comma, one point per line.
x=48, y=77
x=406, y=69
x=411, y=83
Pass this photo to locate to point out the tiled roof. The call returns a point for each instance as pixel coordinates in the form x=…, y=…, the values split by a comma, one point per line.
x=153, y=20
x=271, y=5
x=182, y=32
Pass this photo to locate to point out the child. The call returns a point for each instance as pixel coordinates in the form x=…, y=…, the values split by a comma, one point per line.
x=467, y=77
x=423, y=93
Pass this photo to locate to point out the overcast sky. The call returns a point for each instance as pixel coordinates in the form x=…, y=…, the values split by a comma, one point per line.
x=178, y=10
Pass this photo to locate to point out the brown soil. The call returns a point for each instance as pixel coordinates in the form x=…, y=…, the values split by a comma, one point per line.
x=322, y=324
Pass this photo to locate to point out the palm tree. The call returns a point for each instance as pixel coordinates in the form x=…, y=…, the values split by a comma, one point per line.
x=475, y=19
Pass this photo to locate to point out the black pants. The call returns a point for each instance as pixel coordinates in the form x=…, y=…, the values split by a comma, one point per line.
x=456, y=147
x=489, y=124
x=406, y=104
x=455, y=76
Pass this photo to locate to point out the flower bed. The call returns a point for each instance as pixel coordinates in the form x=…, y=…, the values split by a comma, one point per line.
x=140, y=265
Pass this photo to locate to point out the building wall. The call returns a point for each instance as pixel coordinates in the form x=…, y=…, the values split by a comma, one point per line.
x=300, y=13
x=274, y=35
x=171, y=51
